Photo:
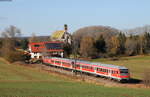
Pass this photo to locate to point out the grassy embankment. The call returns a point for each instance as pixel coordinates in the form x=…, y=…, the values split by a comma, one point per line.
x=21, y=81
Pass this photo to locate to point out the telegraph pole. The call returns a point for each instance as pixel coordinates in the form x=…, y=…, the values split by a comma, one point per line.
x=75, y=47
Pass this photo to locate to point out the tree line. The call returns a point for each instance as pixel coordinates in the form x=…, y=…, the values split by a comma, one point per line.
x=102, y=41
x=91, y=42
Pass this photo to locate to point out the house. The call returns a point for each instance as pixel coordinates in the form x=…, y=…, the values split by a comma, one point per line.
x=50, y=48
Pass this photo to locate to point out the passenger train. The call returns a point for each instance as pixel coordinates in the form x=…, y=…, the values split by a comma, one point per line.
x=119, y=73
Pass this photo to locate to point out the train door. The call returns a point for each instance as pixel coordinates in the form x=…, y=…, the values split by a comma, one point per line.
x=95, y=69
x=72, y=64
x=109, y=72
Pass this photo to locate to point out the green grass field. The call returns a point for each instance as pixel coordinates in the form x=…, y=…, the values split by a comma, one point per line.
x=136, y=64
x=20, y=81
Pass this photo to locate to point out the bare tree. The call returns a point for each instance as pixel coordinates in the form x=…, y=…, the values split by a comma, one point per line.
x=8, y=49
x=33, y=38
x=132, y=46
x=87, y=48
x=11, y=32
x=114, y=45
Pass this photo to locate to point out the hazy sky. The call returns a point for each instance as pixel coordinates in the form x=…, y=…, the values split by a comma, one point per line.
x=43, y=17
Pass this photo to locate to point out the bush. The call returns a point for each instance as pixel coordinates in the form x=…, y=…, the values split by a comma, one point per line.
x=146, y=78
x=14, y=56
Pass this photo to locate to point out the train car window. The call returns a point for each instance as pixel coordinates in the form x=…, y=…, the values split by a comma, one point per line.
x=123, y=70
x=36, y=45
x=103, y=70
x=97, y=69
x=87, y=67
x=116, y=72
x=57, y=62
x=106, y=70
x=112, y=72
x=83, y=67
x=77, y=65
x=65, y=63
x=68, y=63
x=100, y=69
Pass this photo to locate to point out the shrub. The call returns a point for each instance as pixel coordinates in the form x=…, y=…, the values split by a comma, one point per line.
x=14, y=56
x=146, y=78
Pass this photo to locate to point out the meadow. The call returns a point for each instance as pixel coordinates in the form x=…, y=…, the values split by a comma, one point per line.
x=22, y=81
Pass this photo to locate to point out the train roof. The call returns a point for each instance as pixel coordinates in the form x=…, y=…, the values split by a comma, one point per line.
x=93, y=63
x=110, y=65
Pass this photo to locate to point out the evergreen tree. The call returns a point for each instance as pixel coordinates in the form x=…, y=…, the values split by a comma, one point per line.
x=24, y=44
x=122, y=40
x=147, y=40
x=100, y=44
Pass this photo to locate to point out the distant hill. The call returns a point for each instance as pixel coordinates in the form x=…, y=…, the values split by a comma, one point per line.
x=96, y=31
x=137, y=30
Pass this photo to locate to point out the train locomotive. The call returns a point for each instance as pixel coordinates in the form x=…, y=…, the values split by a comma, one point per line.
x=119, y=73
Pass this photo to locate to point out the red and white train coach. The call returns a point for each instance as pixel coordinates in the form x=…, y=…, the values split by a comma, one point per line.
x=107, y=70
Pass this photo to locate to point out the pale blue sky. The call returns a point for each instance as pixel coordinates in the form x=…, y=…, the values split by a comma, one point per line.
x=43, y=17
